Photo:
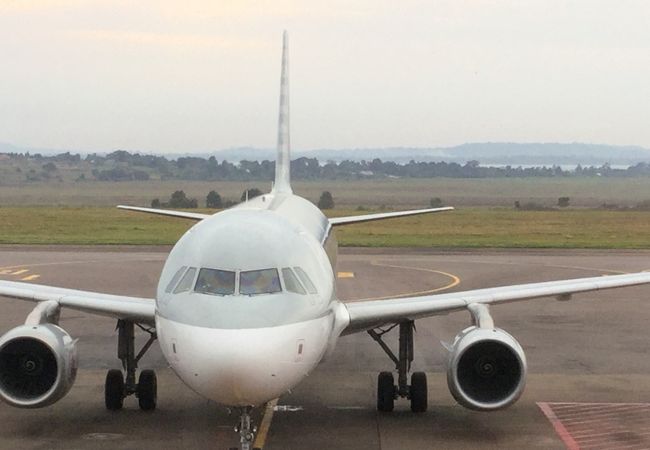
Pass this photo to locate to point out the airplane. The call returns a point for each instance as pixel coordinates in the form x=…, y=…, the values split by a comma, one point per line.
x=246, y=308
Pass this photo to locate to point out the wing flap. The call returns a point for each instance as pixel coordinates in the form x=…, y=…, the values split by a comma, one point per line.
x=335, y=221
x=117, y=306
x=370, y=314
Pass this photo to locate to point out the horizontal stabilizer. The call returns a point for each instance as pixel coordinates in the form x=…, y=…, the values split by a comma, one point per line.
x=166, y=212
x=335, y=221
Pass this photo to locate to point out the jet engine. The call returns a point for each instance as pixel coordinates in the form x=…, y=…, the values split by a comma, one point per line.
x=38, y=365
x=486, y=369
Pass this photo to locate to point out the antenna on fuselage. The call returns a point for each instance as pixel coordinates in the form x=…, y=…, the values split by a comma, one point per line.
x=283, y=160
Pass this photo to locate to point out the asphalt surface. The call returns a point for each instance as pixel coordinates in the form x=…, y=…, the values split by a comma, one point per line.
x=592, y=349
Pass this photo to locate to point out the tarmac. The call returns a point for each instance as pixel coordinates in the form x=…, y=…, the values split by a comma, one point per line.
x=588, y=359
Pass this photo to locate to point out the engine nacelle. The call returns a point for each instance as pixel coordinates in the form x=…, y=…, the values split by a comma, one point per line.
x=38, y=365
x=486, y=369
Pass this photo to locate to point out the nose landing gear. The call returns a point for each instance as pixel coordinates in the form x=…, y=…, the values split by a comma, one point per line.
x=246, y=429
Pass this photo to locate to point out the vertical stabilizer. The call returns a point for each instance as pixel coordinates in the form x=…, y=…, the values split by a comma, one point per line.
x=283, y=160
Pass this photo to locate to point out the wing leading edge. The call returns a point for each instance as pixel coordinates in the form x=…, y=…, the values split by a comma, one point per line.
x=118, y=306
x=365, y=315
x=335, y=221
x=166, y=212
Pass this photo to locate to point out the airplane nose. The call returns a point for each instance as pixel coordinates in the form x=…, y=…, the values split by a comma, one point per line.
x=249, y=369
x=241, y=367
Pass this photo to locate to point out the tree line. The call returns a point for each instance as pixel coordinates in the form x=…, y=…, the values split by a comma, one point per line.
x=179, y=199
x=125, y=166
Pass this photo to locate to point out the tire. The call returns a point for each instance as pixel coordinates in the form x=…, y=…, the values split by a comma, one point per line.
x=147, y=390
x=114, y=390
x=385, y=392
x=419, y=392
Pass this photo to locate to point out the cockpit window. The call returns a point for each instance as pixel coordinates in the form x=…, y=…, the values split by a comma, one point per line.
x=175, y=278
x=253, y=282
x=306, y=280
x=291, y=282
x=215, y=282
x=186, y=281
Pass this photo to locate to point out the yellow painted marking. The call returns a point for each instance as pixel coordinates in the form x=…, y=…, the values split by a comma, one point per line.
x=18, y=272
x=87, y=261
x=30, y=277
x=345, y=275
x=6, y=271
x=455, y=281
x=265, y=426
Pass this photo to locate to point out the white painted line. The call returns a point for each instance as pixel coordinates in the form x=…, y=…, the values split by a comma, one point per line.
x=287, y=408
x=348, y=408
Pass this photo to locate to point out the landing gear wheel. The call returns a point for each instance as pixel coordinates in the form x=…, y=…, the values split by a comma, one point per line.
x=114, y=390
x=147, y=390
x=385, y=392
x=418, y=392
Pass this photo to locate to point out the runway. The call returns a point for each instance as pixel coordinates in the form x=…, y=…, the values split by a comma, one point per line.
x=587, y=357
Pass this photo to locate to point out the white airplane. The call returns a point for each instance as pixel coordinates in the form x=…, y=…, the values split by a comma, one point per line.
x=246, y=308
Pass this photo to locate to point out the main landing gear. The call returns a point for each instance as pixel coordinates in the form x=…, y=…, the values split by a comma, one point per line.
x=122, y=383
x=387, y=391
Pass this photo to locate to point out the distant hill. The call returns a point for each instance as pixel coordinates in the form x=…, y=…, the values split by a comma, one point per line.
x=496, y=153
x=549, y=153
x=492, y=153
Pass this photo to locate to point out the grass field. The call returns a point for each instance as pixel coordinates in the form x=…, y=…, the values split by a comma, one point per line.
x=465, y=227
x=392, y=193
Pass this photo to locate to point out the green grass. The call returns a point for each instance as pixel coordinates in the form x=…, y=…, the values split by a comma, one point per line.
x=393, y=193
x=507, y=228
x=471, y=227
x=86, y=225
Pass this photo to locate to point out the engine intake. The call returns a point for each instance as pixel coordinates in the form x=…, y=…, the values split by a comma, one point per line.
x=487, y=369
x=38, y=365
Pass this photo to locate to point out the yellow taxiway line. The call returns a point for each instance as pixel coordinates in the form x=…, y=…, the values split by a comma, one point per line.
x=455, y=281
x=265, y=425
x=30, y=277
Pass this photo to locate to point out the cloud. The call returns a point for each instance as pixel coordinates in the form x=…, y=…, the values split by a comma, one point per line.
x=31, y=6
x=169, y=40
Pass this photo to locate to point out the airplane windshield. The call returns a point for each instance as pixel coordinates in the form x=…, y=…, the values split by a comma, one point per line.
x=186, y=281
x=251, y=282
x=215, y=282
x=306, y=280
x=175, y=278
x=255, y=282
x=291, y=283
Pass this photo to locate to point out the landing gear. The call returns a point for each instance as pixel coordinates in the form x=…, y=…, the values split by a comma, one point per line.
x=245, y=429
x=118, y=385
x=114, y=390
x=147, y=390
x=418, y=392
x=387, y=391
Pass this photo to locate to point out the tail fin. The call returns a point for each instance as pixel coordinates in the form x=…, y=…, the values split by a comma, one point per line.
x=283, y=160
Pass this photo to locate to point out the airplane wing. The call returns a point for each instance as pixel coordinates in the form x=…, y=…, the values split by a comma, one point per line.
x=118, y=306
x=365, y=315
x=335, y=221
x=166, y=212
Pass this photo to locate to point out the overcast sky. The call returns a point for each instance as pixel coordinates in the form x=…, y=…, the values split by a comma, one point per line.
x=191, y=75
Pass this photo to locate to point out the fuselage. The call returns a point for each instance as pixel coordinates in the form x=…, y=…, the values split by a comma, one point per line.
x=246, y=304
